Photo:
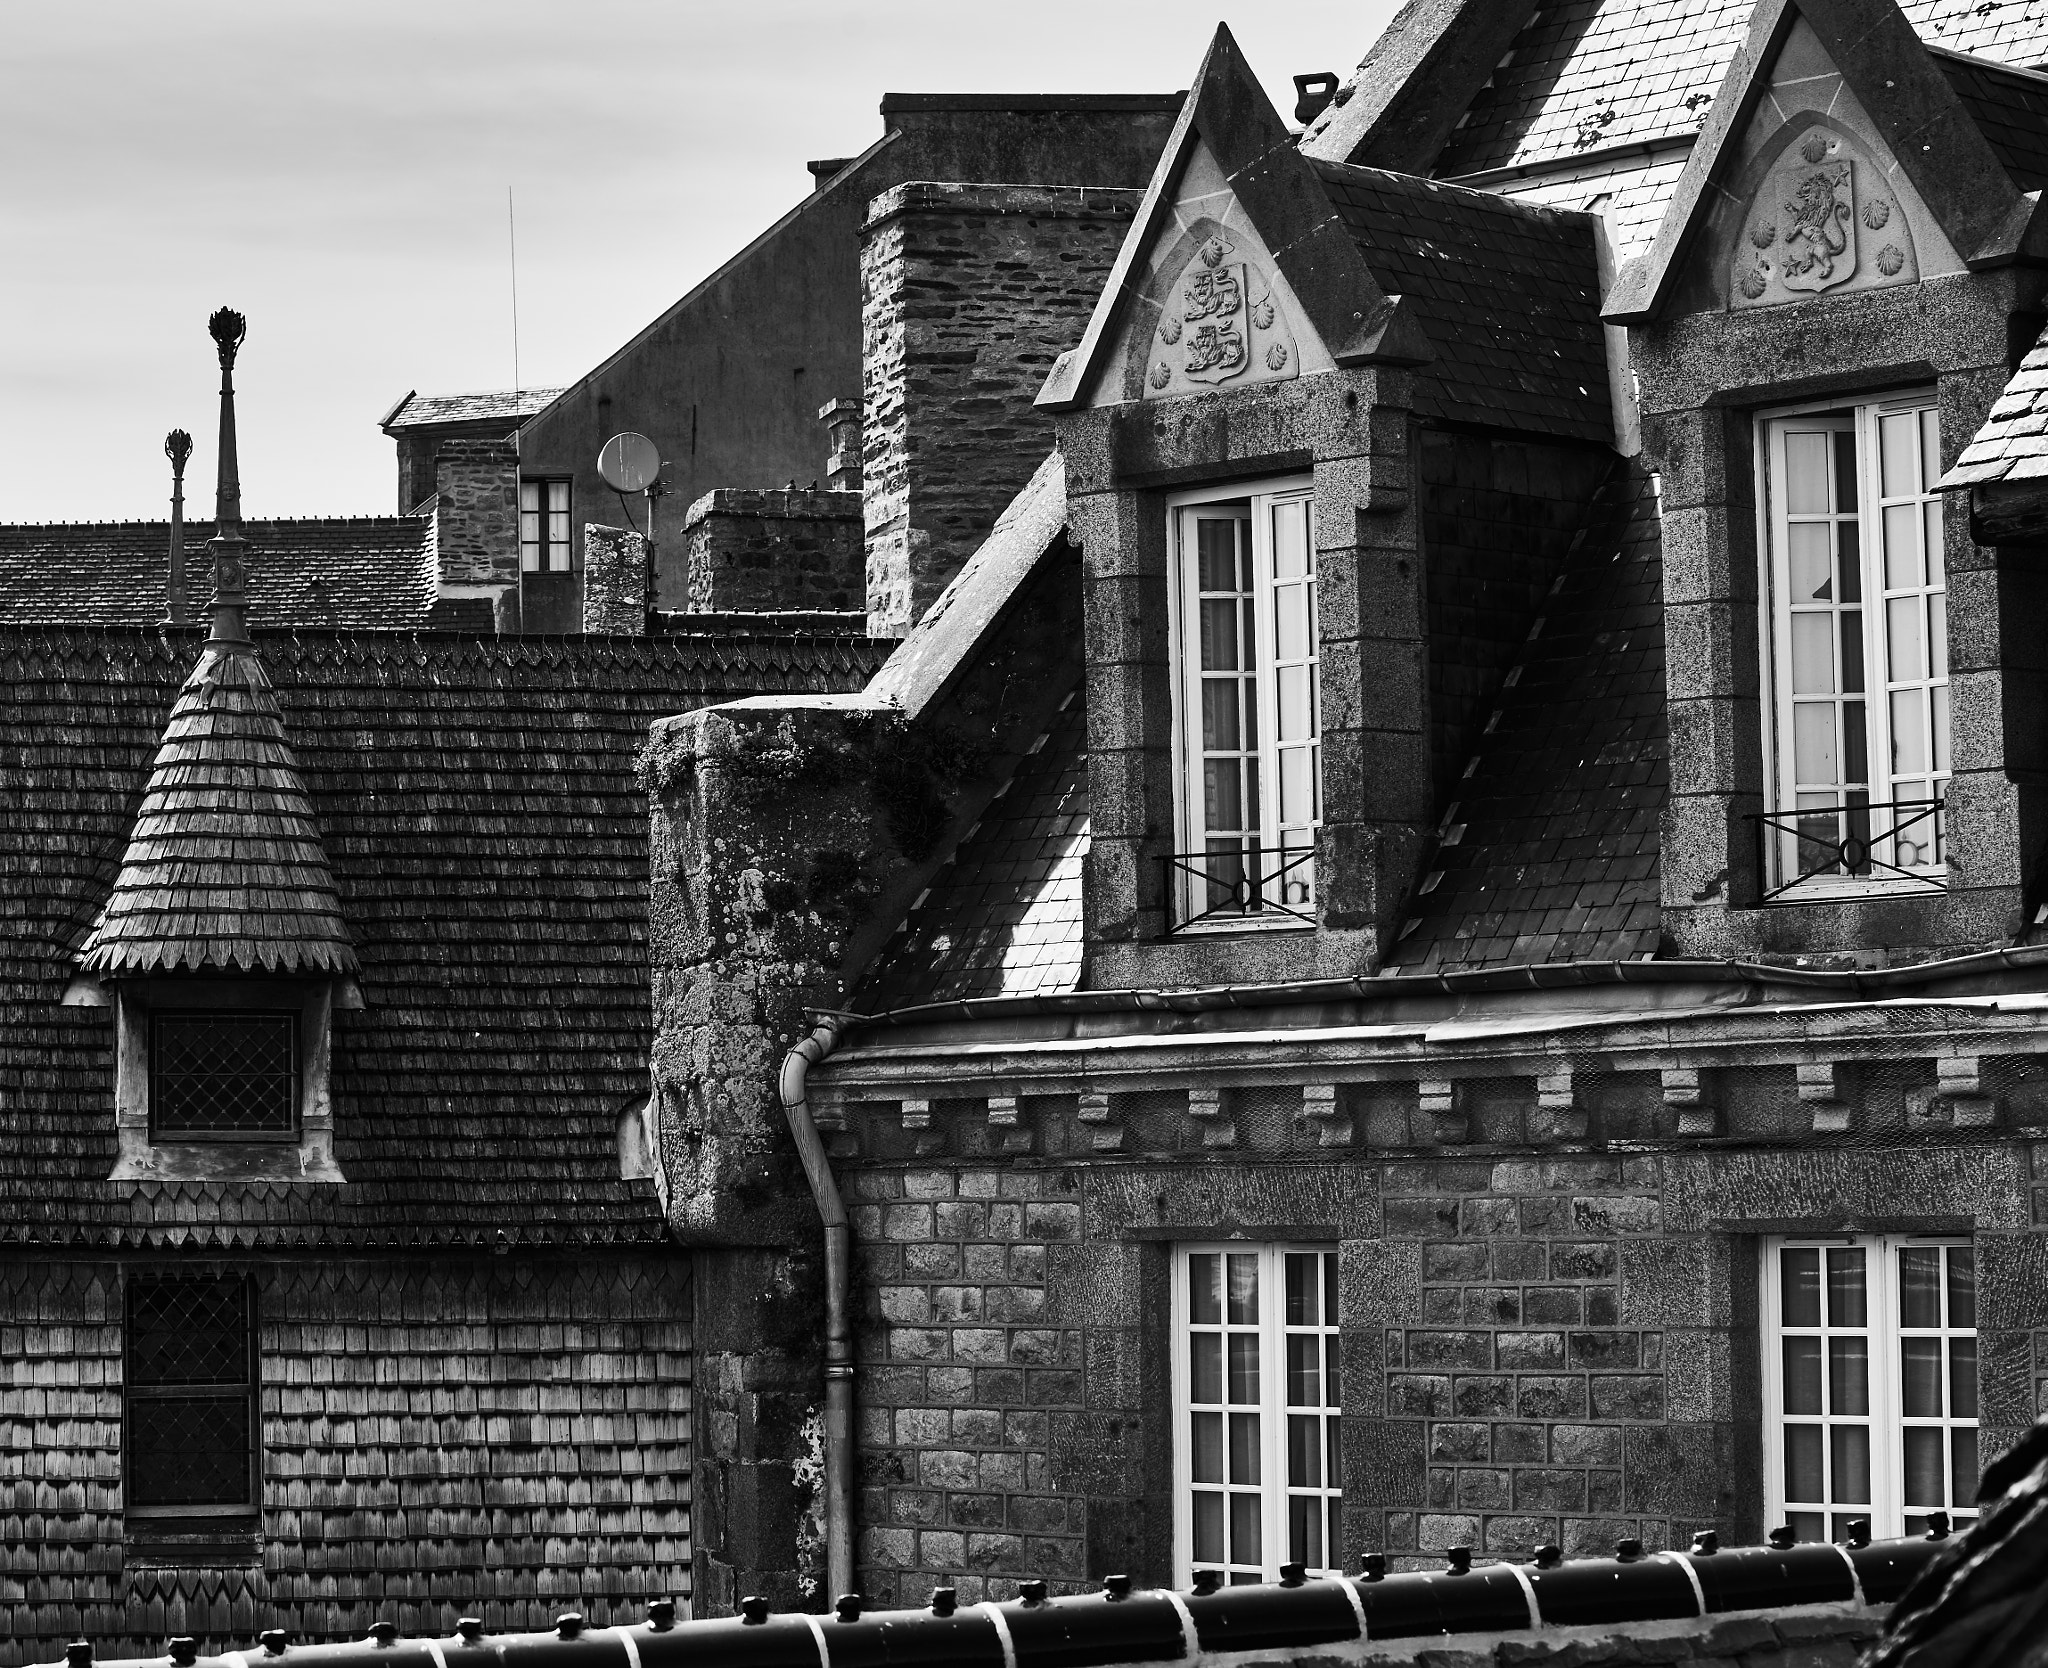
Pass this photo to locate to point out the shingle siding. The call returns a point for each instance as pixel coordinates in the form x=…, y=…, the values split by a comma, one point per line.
x=502, y=1437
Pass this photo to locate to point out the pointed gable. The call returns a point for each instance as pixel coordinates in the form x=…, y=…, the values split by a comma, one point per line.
x=224, y=871
x=1840, y=155
x=1238, y=268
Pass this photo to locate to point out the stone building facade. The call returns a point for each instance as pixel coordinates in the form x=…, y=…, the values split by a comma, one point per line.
x=1537, y=1045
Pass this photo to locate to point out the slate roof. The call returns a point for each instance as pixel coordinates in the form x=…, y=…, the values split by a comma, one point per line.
x=1003, y=916
x=1549, y=852
x=1589, y=75
x=1508, y=293
x=418, y=411
x=2011, y=110
x=489, y=845
x=353, y=573
x=2013, y=443
x=224, y=870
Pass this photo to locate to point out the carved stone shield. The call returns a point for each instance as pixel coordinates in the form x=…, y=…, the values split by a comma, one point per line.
x=1819, y=239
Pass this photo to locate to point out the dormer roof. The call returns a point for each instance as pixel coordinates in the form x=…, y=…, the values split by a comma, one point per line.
x=224, y=871
x=1947, y=132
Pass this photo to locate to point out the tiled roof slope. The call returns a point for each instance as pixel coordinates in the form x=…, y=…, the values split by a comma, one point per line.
x=224, y=871
x=489, y=843
x=2011, y=108
x=1549, y=852
x=352, y=574
x=1003, y=917
x=1587, y=75
x=1508, y=293
x=2013, y=443
x=418, y=411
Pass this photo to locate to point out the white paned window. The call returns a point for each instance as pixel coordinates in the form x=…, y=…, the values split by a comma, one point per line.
x=1248, y=728
x=1257, y=1410
x=1858, y=641
x=544, y=539
x=1870, y=1383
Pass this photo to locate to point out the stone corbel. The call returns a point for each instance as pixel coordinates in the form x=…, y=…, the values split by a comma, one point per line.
x=1558, y=1116
x=1818, y=1090
x=1324, y=1108
x=1443, y=1106
x=1007, y=1130
x=1960, y=1096
x=1218, y=1128
x=1104, y=1133
x=917, y=1118
x=1686, y=1093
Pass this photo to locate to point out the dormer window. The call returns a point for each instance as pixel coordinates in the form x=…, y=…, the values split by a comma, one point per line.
x=1247, y=725
x=223, y=1075
x=1857, y=634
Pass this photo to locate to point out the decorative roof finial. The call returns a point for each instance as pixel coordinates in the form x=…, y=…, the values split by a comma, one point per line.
x=178, y=448
x=227, y=328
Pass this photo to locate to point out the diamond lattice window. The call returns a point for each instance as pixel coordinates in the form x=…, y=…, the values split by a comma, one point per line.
x=223, y=1073
x=190, y=1395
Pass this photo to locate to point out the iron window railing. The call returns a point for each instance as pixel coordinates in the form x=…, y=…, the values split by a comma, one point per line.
x=1894, y=842
x=1246, y=883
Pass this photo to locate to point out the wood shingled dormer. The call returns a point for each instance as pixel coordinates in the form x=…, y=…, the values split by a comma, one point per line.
x=1351, y=418
x=1838, y=291
x=221, y=948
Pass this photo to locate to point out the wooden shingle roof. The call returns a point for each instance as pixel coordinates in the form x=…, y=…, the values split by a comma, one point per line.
x=224, y=871
x=488, y=840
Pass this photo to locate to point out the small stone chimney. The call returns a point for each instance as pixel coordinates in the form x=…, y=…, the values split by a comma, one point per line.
x=615, y=581
x=476, y=517
x=842, y=436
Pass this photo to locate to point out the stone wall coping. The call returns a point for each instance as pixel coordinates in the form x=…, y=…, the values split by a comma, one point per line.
x=1106, y=202
x=778, y=503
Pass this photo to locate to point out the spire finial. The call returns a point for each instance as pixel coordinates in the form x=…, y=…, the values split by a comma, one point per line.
x=178, y=448
x=227, y=328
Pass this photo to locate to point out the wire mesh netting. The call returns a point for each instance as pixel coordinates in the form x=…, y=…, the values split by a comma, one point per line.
x=222, y=1073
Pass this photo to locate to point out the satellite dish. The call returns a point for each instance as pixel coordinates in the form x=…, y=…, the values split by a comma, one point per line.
x=629, y=463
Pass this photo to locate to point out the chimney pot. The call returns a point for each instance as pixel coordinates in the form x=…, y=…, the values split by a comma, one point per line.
x=1313, y=93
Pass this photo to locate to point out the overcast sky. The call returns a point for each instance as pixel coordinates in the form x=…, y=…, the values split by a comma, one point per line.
x=337, y=170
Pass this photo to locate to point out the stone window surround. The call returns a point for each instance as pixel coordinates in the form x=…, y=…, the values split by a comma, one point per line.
x=1705, y=379
x=307, y=1158
x=1349, y=431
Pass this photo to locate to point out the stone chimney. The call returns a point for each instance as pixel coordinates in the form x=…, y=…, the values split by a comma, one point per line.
x=843, y=440
x=615, y=581
x=968, y=294
x=773, y=550
x=476, y=518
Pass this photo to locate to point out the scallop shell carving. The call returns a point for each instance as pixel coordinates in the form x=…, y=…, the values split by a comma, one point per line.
x=1276, y=357
x=1763, y=234
x=1161, y=375
x=1262, y=314
x=1751, y=283
x=1876, y=212
x=1169, y=329
x=1814, y=149
x=1890, y=259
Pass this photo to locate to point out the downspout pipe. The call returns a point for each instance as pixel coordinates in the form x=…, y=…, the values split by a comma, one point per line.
x=810, y=1147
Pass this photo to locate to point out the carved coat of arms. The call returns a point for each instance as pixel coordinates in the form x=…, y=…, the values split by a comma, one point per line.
x=1801, y=228
x=1820, y=230
x=1219, y=321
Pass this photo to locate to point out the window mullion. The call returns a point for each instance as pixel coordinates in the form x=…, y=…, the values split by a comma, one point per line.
x=1273, y=1315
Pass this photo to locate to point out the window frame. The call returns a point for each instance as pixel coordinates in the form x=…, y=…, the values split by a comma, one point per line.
x=1885, y=1419
x=1863, y=414
x=1275, y=1491
x=544, y=544
x=250, y=1391
x=293, y=1020
x=1276, y=910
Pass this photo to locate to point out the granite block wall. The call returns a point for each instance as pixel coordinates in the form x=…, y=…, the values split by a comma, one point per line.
x=1540, y=1346
x=502, y=1437
x=767, y=550
x=968, y=294
x=476, y=511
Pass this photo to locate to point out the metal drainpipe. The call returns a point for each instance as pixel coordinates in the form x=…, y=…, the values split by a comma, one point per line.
x=810, y=1146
